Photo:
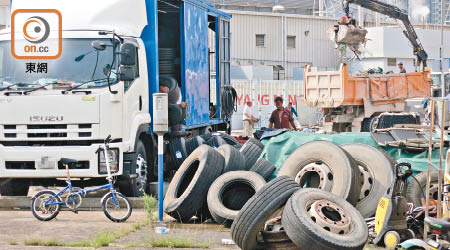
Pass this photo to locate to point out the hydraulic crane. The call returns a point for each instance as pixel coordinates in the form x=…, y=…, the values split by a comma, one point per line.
x=392, y=12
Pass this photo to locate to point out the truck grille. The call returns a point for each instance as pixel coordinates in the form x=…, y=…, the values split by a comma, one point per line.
x=46, y=131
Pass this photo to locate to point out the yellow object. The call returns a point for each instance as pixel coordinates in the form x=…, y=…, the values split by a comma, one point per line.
x=391, y=240
x=88, y=98
x=380, y=215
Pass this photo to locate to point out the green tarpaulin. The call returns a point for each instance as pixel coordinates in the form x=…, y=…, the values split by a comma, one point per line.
x=279, y=148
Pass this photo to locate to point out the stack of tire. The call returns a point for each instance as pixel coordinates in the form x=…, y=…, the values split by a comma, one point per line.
x=216, y=179
x=324, y=192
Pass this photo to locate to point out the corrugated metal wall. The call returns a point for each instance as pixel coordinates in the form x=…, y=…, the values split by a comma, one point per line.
x=312, y=44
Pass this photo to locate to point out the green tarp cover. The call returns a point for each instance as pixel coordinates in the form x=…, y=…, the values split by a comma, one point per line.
x=278, y=148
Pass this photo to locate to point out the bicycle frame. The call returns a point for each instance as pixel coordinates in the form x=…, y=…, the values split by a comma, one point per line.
x=83, y=192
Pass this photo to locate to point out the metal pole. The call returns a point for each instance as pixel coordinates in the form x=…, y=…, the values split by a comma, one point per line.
x=160, y=177
x=441, y=50
x=441, y=154
x=430, y=152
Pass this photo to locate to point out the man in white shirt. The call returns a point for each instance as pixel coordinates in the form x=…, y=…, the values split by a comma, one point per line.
x=248, y=119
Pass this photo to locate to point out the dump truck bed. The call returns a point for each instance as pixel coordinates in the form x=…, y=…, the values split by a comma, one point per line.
x=331, y=89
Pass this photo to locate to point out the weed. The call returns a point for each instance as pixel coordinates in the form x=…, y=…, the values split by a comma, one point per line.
x=47, y=243
x=150, y=205
x=172, y=242
x=132, y=244
x=12, y=242
x=103, y=238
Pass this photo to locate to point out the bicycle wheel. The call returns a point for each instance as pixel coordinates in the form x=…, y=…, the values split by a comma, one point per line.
x=118, y=211
x=42, y=211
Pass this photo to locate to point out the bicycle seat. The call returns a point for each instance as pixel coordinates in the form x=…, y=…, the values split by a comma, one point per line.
x=67, y=161
x=441, y=224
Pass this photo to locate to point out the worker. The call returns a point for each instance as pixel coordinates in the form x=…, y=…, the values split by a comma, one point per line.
x=281, y=118
x=292, y=109
x=248, y=120
x=401, y=68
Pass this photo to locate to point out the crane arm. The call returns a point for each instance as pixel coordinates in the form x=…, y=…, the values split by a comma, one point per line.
x=396, y=13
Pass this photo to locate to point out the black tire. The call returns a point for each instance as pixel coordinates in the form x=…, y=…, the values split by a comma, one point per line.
x=263, y=168
x=187, y=192
x=216, y=141
x=302, y=229
x=174, y=90
x=177, y=150
x=228, y=139
x=193, y=143
x=261, y=207
x=233, y=158
x=42, y=196
x=415, y=192
x=229, y=193
x=175, y=114
x=122, y=202
x=15, y=187
x=136, y=186
x=376, y=175
x=327, y=166
x=251, y=151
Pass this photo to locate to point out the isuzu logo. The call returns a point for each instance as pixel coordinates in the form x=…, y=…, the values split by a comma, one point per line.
x=47, y=118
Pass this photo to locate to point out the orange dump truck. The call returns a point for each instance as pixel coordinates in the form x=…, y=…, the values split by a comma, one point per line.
x=350, y=102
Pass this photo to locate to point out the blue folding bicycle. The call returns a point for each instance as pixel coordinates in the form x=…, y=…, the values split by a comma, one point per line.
x=46, y=204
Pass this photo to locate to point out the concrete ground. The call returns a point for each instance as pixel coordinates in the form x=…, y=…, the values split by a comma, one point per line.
x=19, y=226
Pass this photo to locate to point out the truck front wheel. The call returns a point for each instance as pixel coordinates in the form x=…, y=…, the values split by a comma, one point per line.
x=135, y=186
x=14, y=187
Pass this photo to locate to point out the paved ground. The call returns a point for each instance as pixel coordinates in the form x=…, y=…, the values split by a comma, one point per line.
x=19, y=226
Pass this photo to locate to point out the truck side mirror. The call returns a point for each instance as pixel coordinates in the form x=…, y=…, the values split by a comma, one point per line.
x=126, y=73
x=128, y=54
x=98, y=45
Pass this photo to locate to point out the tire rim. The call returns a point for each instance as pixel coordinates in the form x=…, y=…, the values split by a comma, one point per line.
x=141, y=171
x=366, y=183
x=315, y=175
x=45, y=209
x=434, y=191
x=329, y=216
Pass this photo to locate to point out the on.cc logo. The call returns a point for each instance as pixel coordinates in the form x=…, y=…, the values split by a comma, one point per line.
x=36, y=29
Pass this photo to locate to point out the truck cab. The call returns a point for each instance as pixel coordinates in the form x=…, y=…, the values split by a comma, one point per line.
x=113, y=55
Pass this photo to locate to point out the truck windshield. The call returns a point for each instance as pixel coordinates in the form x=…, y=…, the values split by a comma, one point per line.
x=79, y=63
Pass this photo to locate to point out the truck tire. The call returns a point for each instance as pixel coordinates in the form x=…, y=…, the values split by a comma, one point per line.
x=228, y=139
x=229, y=193
x=260, y=208
x=193, y=143
x=175, y=114
x=251, y=151
x=233, y=158
x=376, y=168
x=263, y=168
x=415, y=191
x=15, y=187
x=324, y=165
x=174, y=91
x=177, y=150
x=187, y=192
x=136, y=186
x=316, y=219
x=216, y=141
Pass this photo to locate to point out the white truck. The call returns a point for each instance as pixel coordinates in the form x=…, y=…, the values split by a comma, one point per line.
x=114, y=53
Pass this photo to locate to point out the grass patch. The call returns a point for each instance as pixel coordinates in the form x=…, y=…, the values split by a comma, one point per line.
x=12, y=242
x=150, y=206
x=102, y=239
x=132, y=244
x=47, y=243
x=172, y=242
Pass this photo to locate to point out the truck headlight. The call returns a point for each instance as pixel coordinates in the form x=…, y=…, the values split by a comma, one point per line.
x=113, y=161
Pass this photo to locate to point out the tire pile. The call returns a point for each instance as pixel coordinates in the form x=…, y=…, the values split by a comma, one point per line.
x=216, y=177
x=318, y=200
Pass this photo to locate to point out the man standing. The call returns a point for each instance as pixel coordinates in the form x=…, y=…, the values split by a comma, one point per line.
x=281, y=117
x=401, y=68
x=248, y=119
x=292, y=109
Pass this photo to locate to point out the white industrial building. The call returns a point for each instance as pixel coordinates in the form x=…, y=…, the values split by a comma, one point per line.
x=4, y=13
